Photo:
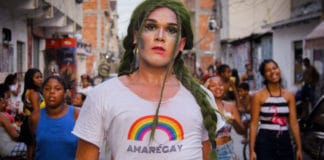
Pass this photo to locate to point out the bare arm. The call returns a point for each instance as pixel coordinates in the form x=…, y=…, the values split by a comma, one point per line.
x=34, y=98
x=237, y=123
x=206, y=149
x=86, y=151
x=236, y=95
x=33, y=122
x=294, y=124
x=255, y=111
x=248, y=104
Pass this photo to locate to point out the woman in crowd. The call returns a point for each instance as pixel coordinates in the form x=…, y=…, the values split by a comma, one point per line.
x=9, y=147
x=225, y=72
x=274, y=108
x=53, y=124
x=78, y=99
x=15, y=87
x=32, y=96
x=224, y=142
x=177, y=114
x=33, y=100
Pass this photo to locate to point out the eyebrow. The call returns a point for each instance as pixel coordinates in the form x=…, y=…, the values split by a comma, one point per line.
x=155, y=21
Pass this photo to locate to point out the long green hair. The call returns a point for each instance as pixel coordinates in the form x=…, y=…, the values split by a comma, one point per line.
x=180, y=69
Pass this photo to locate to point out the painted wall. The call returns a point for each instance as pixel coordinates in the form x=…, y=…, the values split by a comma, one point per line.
x=283, y=51
x=18, y=33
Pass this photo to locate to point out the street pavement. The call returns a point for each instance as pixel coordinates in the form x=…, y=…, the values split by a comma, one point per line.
x=238, y=146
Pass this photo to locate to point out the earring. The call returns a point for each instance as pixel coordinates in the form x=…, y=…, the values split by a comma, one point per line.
x=135, y=50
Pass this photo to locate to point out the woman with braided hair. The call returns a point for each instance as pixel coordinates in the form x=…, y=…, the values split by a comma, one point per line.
x=154, y=109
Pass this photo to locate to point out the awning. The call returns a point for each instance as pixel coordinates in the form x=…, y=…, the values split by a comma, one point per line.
x=315, y=39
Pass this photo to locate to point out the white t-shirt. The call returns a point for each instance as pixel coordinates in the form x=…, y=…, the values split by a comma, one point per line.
x=114, y=113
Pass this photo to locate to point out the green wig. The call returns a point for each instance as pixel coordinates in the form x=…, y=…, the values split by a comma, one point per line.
x=182, y=72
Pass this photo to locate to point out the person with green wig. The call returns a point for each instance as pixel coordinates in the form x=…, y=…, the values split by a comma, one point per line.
x=154, y=109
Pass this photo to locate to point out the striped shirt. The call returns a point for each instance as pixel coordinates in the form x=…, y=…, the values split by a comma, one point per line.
x=274, y=113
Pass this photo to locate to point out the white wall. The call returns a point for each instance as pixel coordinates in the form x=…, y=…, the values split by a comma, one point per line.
x=70, y=8
x=248, y=16
x=283, y=52
x=18, y=29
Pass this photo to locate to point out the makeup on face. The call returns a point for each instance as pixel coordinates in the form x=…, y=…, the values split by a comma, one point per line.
x=170, y=29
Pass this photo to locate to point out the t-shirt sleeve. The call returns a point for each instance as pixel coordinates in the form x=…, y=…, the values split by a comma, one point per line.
x=90, y=123
x=204, y=134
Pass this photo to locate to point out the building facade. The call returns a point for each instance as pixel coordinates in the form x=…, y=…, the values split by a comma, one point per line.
x=27, y=24
x=100, y=31
x=289, y=41
x=206, y=24
x=244, y=39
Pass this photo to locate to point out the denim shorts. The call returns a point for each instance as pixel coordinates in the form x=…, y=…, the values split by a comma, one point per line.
x=273, y=145
x=225, y=151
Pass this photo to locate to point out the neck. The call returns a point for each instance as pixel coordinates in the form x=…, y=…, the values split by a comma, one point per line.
x=153, y=76
x=219, y=102
x=274, y=88
x=57, y=111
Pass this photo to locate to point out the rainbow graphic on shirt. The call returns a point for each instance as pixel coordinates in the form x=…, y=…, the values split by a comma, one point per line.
x=168, y=125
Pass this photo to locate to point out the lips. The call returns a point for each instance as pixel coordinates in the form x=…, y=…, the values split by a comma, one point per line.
x=158, y=50
x=51, y=99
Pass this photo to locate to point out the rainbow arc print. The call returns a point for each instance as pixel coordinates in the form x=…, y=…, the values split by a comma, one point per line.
x=168, y=125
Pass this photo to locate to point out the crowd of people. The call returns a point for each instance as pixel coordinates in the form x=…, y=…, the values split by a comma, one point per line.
x=38, y=119
x=155, y=109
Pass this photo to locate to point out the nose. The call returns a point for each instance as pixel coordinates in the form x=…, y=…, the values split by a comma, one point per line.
x=160, y=35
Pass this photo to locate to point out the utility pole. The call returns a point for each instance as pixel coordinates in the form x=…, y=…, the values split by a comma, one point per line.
x=215, y=24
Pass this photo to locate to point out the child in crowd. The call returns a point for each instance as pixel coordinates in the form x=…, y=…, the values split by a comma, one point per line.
x=53, y=124
x=245, y=108
x=78, y=99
